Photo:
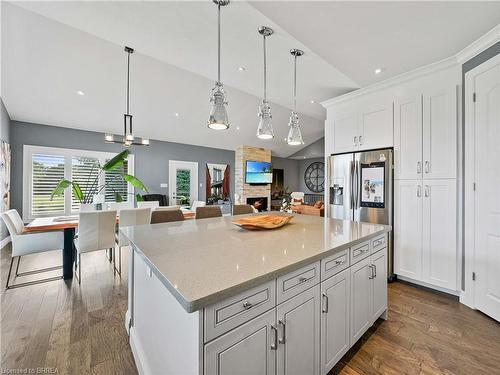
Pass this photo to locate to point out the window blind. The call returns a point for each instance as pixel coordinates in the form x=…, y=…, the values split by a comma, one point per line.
x=46, y=172
x=84, y=171
x=116, y=184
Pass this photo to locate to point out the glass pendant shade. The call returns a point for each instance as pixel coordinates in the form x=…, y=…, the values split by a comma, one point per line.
x=294, y=135
x=218, y=119
x=265, y=129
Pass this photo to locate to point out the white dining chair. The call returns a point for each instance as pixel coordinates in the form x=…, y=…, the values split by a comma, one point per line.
x=129, y=218
x=118, y=206
x=96, y=231
x=197, y=204
x=148, y=204
x=29, y=243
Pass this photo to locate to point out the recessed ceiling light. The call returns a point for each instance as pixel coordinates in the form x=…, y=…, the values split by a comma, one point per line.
x=241, y=68
x=80, y=92
x=379, y=70
x=176, y=114
x=313, y=101
x=237, y=128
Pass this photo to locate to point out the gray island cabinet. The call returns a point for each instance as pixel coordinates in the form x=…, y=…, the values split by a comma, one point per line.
x=206, y=297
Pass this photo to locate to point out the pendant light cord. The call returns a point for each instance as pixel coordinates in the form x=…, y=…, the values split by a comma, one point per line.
x=128, y=83
x=265, y=71
x=218, y=45
x=295, y=84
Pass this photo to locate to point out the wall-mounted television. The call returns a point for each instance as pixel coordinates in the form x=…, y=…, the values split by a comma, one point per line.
x=258, y=172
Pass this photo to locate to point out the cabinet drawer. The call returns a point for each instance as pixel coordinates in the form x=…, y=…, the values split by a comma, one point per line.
x=334, y=264
x=232, y=312
x=359, y=252
x=297, y=281
x=379, y=243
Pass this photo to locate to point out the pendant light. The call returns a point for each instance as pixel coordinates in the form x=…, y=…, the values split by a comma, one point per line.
x=265, y=129
x=128, y=137
x=294, y=135
x=218, y=119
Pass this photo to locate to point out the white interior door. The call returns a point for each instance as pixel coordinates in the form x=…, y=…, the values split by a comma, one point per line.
x=485, y=116
x=182, y=181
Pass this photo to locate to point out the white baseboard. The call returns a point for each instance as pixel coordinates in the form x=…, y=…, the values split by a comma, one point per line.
x=127, y=322
x=430, y=286
x=4, y=242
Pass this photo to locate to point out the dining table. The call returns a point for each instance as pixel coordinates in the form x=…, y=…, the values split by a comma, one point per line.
x=68, y=225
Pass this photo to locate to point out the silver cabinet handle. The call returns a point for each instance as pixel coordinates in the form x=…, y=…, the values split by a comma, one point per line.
x=419, y=191
x=374, y=270
x=355, y=141
x=419, y=167
x=247, y=305
x=360, y=140
x=303, y=279
x=426, y=191
x=426, y=166
x=325, y=305
x=371, y=272
x=338, y=262
x=282, y=339
x=274, y=343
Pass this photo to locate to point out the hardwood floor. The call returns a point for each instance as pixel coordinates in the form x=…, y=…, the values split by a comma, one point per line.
x=80, y=329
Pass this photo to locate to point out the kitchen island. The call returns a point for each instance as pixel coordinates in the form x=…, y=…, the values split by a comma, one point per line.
x=206, y=297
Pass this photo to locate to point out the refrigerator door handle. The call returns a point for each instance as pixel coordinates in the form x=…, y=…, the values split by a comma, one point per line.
x=352, y=184
x=357, y=187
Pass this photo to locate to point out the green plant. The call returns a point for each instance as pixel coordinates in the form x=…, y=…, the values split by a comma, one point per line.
x=92, y=186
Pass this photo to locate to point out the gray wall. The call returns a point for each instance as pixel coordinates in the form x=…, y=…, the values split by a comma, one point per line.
x=4, y=136
x=303, y=164
x=314, y=150
x=151, y=163
x=477, y=60
x=291, y=172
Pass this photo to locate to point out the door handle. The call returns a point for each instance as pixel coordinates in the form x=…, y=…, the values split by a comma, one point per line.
x=371, y=272
x=281, y=340
x=419, y=167
x=325, y=304
x=374, y=270
x=426, y=191
x=427, y=166
x=360, y=140
x=355, y=141
x=274, y=343
x=419, y=191
x=352, y=184
x=356, y=169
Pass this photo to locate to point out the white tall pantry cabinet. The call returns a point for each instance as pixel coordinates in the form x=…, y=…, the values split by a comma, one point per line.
x=418, y=116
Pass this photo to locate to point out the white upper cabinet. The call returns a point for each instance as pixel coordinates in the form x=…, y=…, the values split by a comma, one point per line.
x=408, y=137
x=345, y=132
x=375, y=125
x=440, y=133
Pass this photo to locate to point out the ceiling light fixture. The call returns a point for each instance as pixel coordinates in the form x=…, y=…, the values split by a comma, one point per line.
x=294, y=134
x=218, y=119
x=128, y=137
x=176, y=114
x=242, y=68
x=265, y=128
x=80, y=92
x=313, y=101
x=379, y=70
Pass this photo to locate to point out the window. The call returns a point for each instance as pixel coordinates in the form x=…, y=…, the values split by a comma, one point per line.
x=44, y=167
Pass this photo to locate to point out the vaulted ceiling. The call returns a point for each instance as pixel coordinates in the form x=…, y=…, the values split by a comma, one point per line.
x=51, y=50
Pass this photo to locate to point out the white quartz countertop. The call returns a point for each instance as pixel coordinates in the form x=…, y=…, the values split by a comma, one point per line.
x=205, y=261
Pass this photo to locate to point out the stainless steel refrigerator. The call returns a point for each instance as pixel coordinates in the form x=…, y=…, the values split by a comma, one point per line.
x=361, y=189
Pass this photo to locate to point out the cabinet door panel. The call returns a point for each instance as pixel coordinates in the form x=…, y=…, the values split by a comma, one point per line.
x=345, y=131
x=439, y=233
x=440, y=134
x=335, y=293
x=376, y=125
x=244, y=350
x=299, y=335
x=408, y=228
x=408, y=138
x=361, y=296
x=379, y=281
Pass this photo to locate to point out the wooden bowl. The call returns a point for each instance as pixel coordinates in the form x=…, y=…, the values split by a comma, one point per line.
x=262, y=222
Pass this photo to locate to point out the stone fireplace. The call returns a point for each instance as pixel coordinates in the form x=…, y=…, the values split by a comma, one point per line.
x=260, y=203
x=245, y=191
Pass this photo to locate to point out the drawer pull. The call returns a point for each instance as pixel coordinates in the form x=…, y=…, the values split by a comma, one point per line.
x=303, y=279
x=247, y=305
x=339, y=262
x=378, y=243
